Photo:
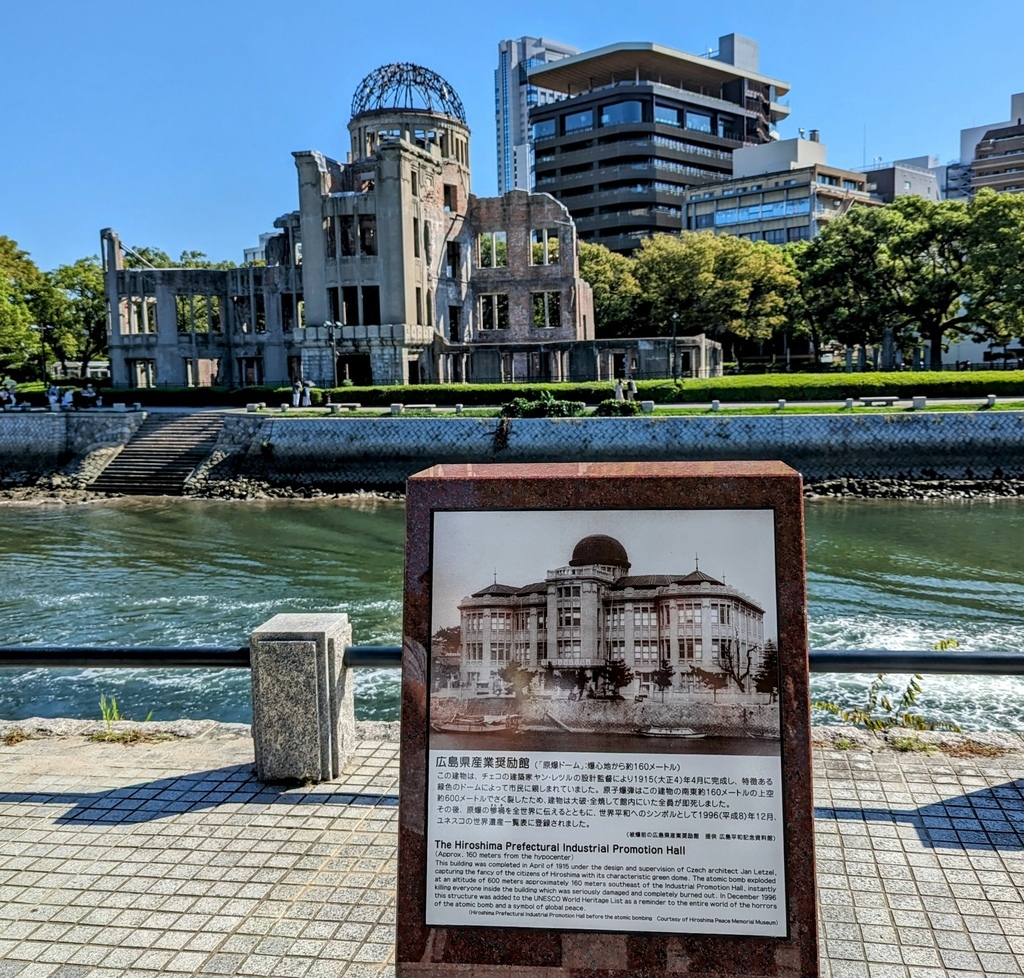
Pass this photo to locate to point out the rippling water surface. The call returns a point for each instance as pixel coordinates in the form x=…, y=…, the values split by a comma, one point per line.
x=899, y=575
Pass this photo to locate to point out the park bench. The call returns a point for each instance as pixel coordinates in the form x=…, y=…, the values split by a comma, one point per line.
x=878, y=401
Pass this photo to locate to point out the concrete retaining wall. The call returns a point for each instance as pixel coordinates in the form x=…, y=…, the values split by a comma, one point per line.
x=40, y=441
x=385, y=451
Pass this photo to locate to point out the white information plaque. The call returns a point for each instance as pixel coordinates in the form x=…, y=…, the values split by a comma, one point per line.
x=602, y=841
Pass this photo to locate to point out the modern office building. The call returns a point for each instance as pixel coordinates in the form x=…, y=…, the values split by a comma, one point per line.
x=989, y=156
x=921, y=175
x=592, y=612
x=779, y=192
x=514, y=96
x=640, y=124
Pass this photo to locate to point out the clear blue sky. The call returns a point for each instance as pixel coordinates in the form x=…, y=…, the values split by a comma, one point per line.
x=174, y=122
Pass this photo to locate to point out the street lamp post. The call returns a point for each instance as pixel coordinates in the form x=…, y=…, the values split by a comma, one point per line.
x=675, y=354
x=334, y=354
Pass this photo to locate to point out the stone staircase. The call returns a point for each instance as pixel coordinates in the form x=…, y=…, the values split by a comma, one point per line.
x=161, y=456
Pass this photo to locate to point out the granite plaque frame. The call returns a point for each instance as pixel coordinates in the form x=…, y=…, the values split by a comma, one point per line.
x=614, y=658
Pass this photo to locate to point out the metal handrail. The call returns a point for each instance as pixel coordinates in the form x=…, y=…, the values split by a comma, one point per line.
x=952, y=662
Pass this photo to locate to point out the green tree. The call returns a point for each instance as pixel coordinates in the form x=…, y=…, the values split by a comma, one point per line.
x=616, y=291
x=20, y=283
x=71, y=310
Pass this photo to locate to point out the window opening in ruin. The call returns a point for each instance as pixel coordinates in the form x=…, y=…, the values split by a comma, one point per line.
x=213, y=316
x=261, y=313
x=494, y=311
x=544, y=246
x=368, y=234
x=426, y=241
x=250, y=371
x=334, y=297
x=454, y=322
x=371, y=305
x=288, y=310
x=240, y=313
x=454, y=259
x=547, y=310
x=141, y=373
x=429, y=310
x=494, y=249
x=419, y=305
x=347, y=236
x=294, y=368
x=202, y=372
x=414, y=371
x=415, y=177
x=416, y=237
x=350, y=305
x=330, y=239
x=451, y=197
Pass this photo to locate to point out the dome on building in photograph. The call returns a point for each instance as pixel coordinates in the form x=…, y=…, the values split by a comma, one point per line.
x=599, y=549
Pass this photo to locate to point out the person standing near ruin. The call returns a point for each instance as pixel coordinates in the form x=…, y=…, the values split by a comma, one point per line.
x=296, y=393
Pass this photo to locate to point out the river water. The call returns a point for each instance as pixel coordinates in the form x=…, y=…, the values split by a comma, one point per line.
x=898, y=575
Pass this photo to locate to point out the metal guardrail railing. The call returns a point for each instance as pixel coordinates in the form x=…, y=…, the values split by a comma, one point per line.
x=952, y=662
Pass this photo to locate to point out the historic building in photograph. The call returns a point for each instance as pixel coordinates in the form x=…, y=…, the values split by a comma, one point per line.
x=591, y=613
x=390, y=271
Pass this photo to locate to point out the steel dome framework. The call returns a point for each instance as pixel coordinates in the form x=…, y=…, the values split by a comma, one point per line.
x=407, y=86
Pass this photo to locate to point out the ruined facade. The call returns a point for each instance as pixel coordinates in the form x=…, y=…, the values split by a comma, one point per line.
x=389, y=272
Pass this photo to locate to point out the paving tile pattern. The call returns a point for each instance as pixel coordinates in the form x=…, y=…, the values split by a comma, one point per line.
x=145, y=865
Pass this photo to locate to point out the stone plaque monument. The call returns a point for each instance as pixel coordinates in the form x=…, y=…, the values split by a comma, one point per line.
x=605, y=723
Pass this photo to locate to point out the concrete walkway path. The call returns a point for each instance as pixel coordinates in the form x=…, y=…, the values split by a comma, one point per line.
x=169, y=858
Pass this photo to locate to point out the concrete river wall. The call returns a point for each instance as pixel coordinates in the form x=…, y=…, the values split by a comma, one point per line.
x=384, y=451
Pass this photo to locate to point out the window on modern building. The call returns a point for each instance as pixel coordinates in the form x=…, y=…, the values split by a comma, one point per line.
x=350, y=305
x=776, y=236
x=544, y=130
x=346, y=235
x=698, y=121
x=494, y=311
x=621, y=113
x=578, y=121
x=453, y=261
x=906, y=184
x=798, y=234
x=853, y=185
x=416, y=237
x=368, y=234
x=371, y=305
x=544, y=246
x=454, y=322
x=828, y=180
x=727, y=128
x=666, y=115
x=705, y=221
x=493, y=249
x=547, y=310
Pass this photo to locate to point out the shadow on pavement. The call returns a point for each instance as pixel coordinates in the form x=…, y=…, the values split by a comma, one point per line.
x=200, y=791
x=992, y=819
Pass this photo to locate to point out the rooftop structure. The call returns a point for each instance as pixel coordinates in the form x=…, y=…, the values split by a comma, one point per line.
x=985, y=161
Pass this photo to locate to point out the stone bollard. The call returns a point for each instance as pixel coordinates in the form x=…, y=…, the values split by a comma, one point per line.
x=120, y=406
x=990, y=400
x=458, y=409
x=303, y=715
x=252, y=408
x=919, y=402
x=397, y=408
x=782, y=404
x=647, y=407
x=715, y=405
x=284, y=408
x=849, y=404
x=335, y=409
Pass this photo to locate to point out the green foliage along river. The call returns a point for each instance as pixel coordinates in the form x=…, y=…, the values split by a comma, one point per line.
x=179, y=573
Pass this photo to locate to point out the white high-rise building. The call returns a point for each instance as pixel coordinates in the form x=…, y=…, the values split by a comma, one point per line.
x=514, y=96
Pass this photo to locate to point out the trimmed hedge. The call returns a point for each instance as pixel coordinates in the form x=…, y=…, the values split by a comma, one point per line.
x=744, y=387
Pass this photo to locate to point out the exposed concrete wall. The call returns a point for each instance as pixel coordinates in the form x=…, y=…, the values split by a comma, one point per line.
x=385, y=451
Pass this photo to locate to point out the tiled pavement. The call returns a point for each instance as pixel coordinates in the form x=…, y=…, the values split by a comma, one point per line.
x=170, y=859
